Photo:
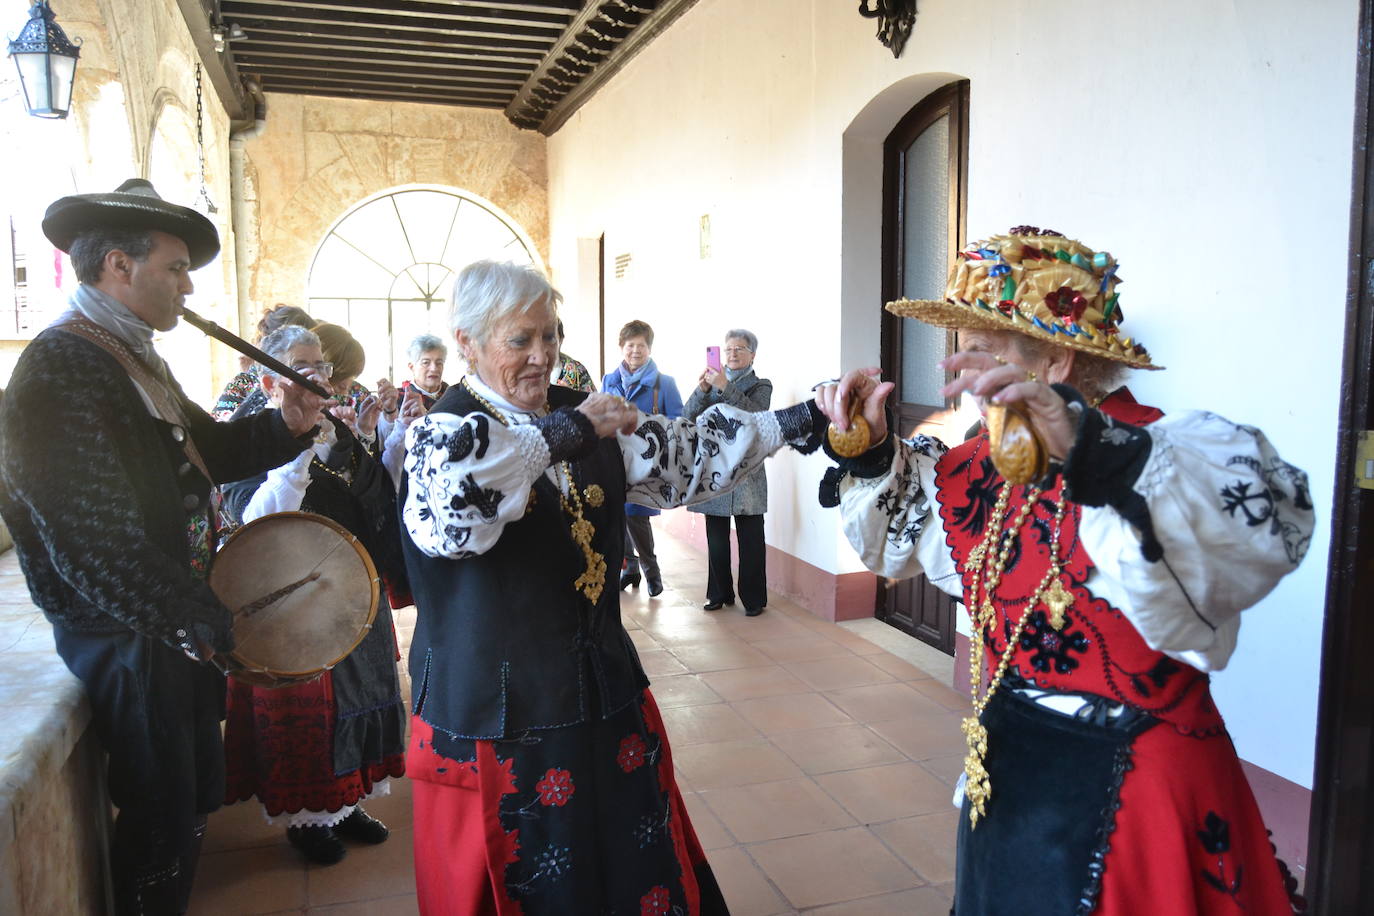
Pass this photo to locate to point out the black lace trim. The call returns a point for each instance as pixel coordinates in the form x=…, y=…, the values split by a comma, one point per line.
x=569, y=434
x=803, y=426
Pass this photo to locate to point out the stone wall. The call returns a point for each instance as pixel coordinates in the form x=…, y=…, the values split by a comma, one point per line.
x=133, y=115
x=320, y=157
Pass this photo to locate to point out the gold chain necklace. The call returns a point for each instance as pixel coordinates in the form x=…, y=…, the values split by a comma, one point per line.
x=593, y=578
x=988, y=562
x=316, y=461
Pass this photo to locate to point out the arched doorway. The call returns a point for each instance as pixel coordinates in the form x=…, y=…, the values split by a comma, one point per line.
x=386, y=269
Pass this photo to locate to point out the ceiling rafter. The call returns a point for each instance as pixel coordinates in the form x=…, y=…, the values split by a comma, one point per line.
x=536, y=59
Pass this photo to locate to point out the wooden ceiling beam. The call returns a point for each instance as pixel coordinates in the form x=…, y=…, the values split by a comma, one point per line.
x=252, y=15
x=372, y=91
x=478, y=56
x=412, y=40
x=363, y=70
x=495, y=14
x=252, y=58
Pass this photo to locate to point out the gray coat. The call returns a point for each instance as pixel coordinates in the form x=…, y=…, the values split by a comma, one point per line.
x=751, y=393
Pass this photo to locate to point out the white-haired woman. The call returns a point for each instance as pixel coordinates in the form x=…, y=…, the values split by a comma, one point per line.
x=428, y=355
x=736, y=384
x=543, y=779
x=311, y=752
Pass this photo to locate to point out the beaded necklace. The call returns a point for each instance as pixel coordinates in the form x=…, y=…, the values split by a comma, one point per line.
x=346, y=475
x=988, y=561
x=593, y=578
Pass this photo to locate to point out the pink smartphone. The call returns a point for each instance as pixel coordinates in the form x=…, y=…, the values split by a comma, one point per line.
x=713, y=357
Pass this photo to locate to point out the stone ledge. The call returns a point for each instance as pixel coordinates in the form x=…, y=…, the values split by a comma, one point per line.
x=51, y=792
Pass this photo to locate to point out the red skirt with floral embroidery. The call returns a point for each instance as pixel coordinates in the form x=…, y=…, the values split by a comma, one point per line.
x=582, y=819
x=279, y=746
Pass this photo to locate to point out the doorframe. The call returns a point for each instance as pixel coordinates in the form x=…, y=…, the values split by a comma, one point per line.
x=952, y=99
x=1340, y=855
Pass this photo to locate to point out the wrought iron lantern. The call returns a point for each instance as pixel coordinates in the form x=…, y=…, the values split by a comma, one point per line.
x=47, y=63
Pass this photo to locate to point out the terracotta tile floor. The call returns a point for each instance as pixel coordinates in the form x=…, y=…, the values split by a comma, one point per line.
x=817, y=768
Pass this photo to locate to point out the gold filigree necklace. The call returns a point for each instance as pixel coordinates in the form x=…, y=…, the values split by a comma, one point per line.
x=988, y=561
x=593, y=578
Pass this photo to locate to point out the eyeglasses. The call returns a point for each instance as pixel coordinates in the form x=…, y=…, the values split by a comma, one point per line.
x=325, y=370
x=731, y=351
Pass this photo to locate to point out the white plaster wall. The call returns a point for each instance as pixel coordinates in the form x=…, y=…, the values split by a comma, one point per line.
x=1207, y=143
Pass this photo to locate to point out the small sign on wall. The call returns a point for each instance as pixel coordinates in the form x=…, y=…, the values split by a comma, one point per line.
x=704, y=237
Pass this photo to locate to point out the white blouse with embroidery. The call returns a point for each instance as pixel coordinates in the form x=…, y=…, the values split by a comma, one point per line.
x=469, y=476
x=1232, y=516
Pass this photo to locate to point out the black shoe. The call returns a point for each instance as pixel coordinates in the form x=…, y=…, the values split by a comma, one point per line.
x=753, y=611
x=716, y=605
x=362, y=827
x=628, y=579
x=655, y=587
x=318, y=844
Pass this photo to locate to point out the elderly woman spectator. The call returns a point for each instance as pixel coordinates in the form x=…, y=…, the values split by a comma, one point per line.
x=312, y=751
x=245, y=384
x=428, y=356
x=542, y=774
x=736, y=384
x=1104, y=552
x=639, y=382
x=570, y=373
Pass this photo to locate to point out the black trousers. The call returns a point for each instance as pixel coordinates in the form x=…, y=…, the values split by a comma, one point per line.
x=157, y=713
x=753, y=565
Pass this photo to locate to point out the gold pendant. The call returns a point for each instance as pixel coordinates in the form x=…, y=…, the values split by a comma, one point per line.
x=986, y=614
x=595, y=496
x=593, y=579
x=977, y=786
x=1058, y=599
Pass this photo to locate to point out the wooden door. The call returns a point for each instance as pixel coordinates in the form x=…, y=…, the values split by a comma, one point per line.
x=1340, y=856
x=925, y=166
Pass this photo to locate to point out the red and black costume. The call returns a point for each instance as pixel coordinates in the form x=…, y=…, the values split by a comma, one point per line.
x=1113, y=780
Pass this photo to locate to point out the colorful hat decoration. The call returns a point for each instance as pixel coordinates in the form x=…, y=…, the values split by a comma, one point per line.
x=1039, y=283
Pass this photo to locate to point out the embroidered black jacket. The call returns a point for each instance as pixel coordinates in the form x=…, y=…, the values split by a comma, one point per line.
x=504, y=645
x=96, y=492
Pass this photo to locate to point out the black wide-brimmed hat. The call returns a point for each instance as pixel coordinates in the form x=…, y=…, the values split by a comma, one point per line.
x=133, y=205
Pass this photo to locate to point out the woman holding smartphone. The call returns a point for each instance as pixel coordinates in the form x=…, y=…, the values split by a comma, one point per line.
x=736, y=384
x=638, y=381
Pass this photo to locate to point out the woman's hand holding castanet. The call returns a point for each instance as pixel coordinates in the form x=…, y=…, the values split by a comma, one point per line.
x=610, y=414
x=1000, y=382
x=862, y=386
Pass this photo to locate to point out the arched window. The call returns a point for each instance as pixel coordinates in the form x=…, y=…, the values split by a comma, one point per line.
x=385, y=271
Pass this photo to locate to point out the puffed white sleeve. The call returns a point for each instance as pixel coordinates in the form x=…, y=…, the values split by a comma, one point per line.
x=467, y=477
x=888, y=511
x=283, y=490
x=1189, y=521
x=678, y=462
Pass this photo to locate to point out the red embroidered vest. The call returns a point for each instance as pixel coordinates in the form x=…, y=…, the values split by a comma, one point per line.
x=1098, y=651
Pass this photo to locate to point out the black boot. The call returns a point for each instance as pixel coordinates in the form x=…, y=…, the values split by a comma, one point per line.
x=655, y=586
x=628, y=579
x=318, y=844
x=363, y=827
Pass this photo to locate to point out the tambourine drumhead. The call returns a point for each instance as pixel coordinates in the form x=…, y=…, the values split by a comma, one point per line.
x=303, y=592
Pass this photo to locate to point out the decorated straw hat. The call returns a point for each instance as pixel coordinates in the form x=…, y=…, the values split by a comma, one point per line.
x=133, y=205
x=1041, y=284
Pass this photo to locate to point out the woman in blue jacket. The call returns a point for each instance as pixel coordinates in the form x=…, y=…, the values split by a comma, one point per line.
x=639, y=381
